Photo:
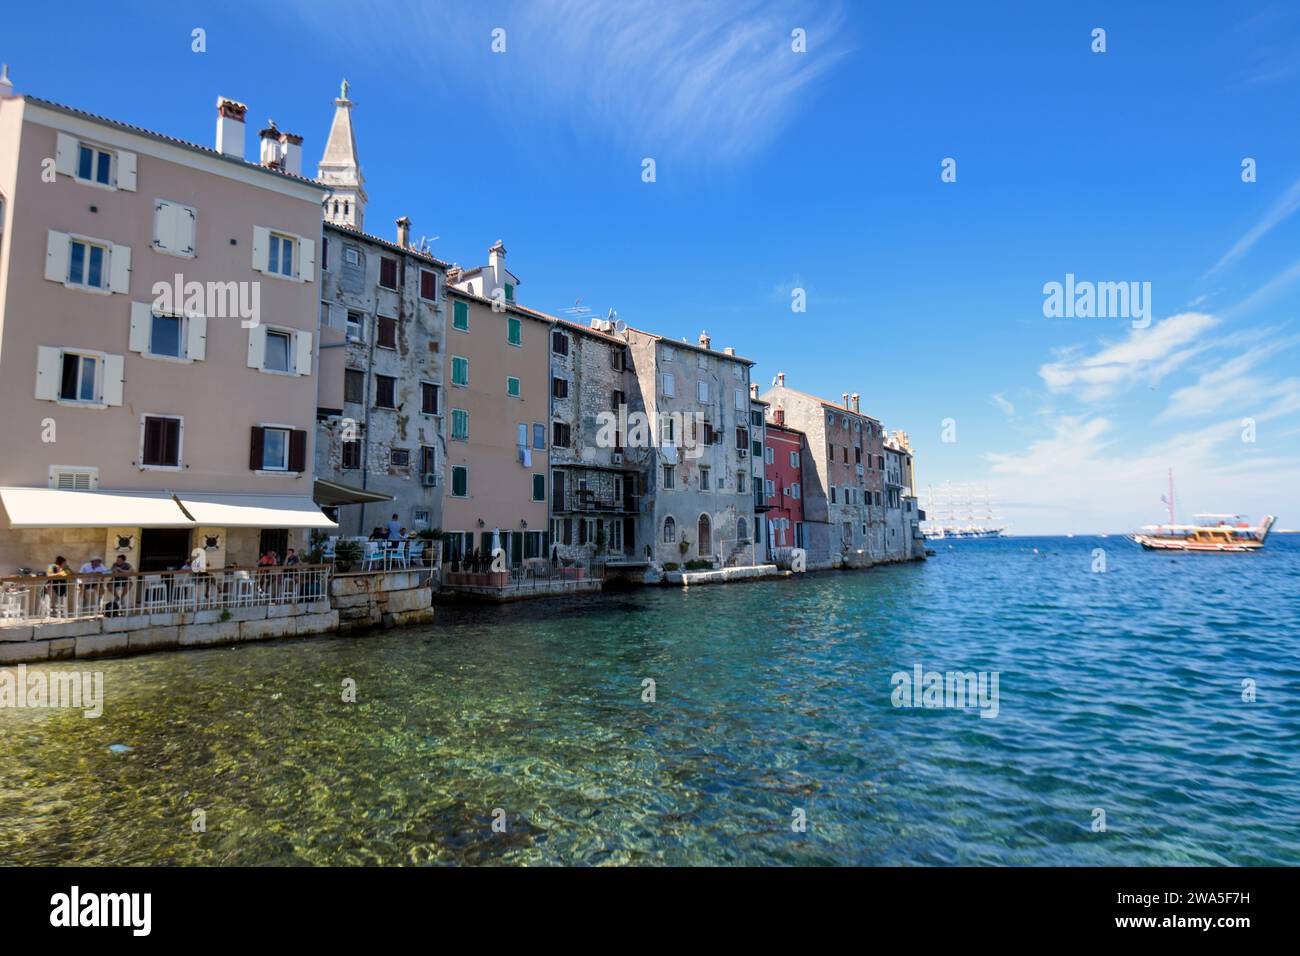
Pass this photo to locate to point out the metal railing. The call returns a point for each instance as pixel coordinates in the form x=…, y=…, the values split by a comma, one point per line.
x=37, y=599
x=534, y=574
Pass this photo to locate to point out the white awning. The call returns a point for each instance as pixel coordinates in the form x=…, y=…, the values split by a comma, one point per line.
x=255, y=511
x=55, y=508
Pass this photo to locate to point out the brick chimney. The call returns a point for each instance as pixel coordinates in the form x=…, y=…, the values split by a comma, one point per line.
x=404, y=232
x=780, y=379
x=497, y=263
x=844, y=400
x=753, y=390
x=853, y=402
x=230, y=127
x=291, y=153
x=704, y=340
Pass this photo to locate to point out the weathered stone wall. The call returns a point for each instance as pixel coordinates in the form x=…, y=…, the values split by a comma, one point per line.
x=381, y=599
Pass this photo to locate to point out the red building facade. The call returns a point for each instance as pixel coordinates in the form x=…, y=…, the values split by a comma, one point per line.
x=784, y=453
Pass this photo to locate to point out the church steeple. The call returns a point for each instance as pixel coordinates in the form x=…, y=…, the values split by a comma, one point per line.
x=341, y=169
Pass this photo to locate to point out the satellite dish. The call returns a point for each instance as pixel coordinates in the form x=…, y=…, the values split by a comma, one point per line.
x=620, y=326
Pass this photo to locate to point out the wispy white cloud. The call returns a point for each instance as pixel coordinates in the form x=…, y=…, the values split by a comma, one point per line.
x=1280, y=211
x=1145, y=355
x=1230, y=386
x=1001, y=402
x=711, y=80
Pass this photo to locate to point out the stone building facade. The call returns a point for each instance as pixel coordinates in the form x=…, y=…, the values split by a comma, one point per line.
x=698, y=502
x=595, y=487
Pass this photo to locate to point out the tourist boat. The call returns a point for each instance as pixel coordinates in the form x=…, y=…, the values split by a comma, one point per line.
x=1211, y=533
x=1214, y=532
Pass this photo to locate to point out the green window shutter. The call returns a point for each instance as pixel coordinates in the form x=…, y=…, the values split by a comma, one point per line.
x=459, y=371
x=539, y=487
x=459, y=424
x=459, y=481
x=514, y=334
x=512, y=387
x=510, y=292
x=460, y=316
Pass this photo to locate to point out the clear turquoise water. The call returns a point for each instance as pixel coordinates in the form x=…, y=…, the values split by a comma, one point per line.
x=1119, y=691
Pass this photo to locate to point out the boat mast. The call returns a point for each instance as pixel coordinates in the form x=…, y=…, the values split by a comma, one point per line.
x=1171, y=496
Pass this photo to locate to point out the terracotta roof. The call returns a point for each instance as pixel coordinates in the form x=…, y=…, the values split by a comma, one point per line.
x=679, y=343
x=821, y=401
x=163, y=137
x=510, y=306
x=351, y=231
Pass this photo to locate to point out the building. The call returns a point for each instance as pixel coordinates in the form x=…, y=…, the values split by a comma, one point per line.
x=595, y=486
x=158, y=310
x=380, y=431
x=843, y=476
x=902, y=516
x=497, y=403
x=758, y=473
x=784, y=452
x=698, y=502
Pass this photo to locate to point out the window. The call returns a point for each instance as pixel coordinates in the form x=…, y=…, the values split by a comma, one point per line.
x=351, y=458
x=740, y=482
x=399, y=457
x=736, y=372
x=560, y=387
x=756, y=449
x=741, y=401
x=160, y=442
x=512, y=386
x=832, y=494
x=428, y=460
x=165, y=336
x=385, y=332
x=354, y=386
x=539, y=435
x=276, y=356
x=275, y=449
x=666, y=430
x=514, y=330
x=385, y=391
x=80, y=378
x=857, y=456
x=702, y=391
x=795, y=490
x=769, y=456
x=459, y=424
x=74, y=479
x=351, y=254
x=559, y=435
x=669, y=354
x=669, y=385
x=356, y=326
x=539, y=487
x=460, y=316
x=670, y=476
x=616, y=359
x=325, y=254
x=279, y=258
x=742, y=531
x=771, y=488
x=459, y=371
x=670, y=530
x=794, y=459
x=617, y=399
x=701, y=360
x=459, y=481
x=510, y=292
x=428, y=398
x=388, y=272
x=94, y=165
x=428, y=285
x=704, y=478
x=742, y=439
x=173, y=228
x=559, y=343
x=87, y=264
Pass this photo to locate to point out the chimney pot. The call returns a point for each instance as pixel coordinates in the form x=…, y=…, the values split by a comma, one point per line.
x=404, y=232
x=753, y=390
x=270, y=150
x=854, y=399
x=844, y=399
x=6, y=84
x=291, y=153
x=704, y=340
x=230, y=127
x=780, y=379
x=729, y=350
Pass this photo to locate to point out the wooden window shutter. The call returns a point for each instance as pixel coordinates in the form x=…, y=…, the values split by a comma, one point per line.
x=255, y=448
x=298, y=450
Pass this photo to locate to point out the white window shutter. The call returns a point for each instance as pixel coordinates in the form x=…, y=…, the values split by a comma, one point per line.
x=56, y=257
x=261, y=247
x=307, y=260
x=141, y=326
x=186, y=227
x=256, y=346
x=302, y=363
x=126, y=171
x=113, y=367
x=49, y=372
x=196, y=347
x=163, y=228
x=65, y=155
x=119, y=263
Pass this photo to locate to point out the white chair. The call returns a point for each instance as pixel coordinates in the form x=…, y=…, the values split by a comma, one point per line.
x=183, y=591
x=14, y=605
x=397, y=554
x=415, y=553
x=241, y=589
x=375, y=553
x=154, y=597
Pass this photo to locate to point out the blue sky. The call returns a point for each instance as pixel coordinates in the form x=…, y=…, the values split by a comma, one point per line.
x=821, y=170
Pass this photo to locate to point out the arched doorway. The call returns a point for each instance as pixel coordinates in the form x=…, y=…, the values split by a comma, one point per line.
x=704, y=537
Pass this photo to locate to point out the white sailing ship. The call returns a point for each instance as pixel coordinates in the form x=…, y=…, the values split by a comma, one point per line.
x=960, y=512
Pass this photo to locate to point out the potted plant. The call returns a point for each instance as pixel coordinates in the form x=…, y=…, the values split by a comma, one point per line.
x=346, y=554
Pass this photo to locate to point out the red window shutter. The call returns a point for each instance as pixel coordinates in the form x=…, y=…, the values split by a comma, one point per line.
x=255, y=448
x=298, y=450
